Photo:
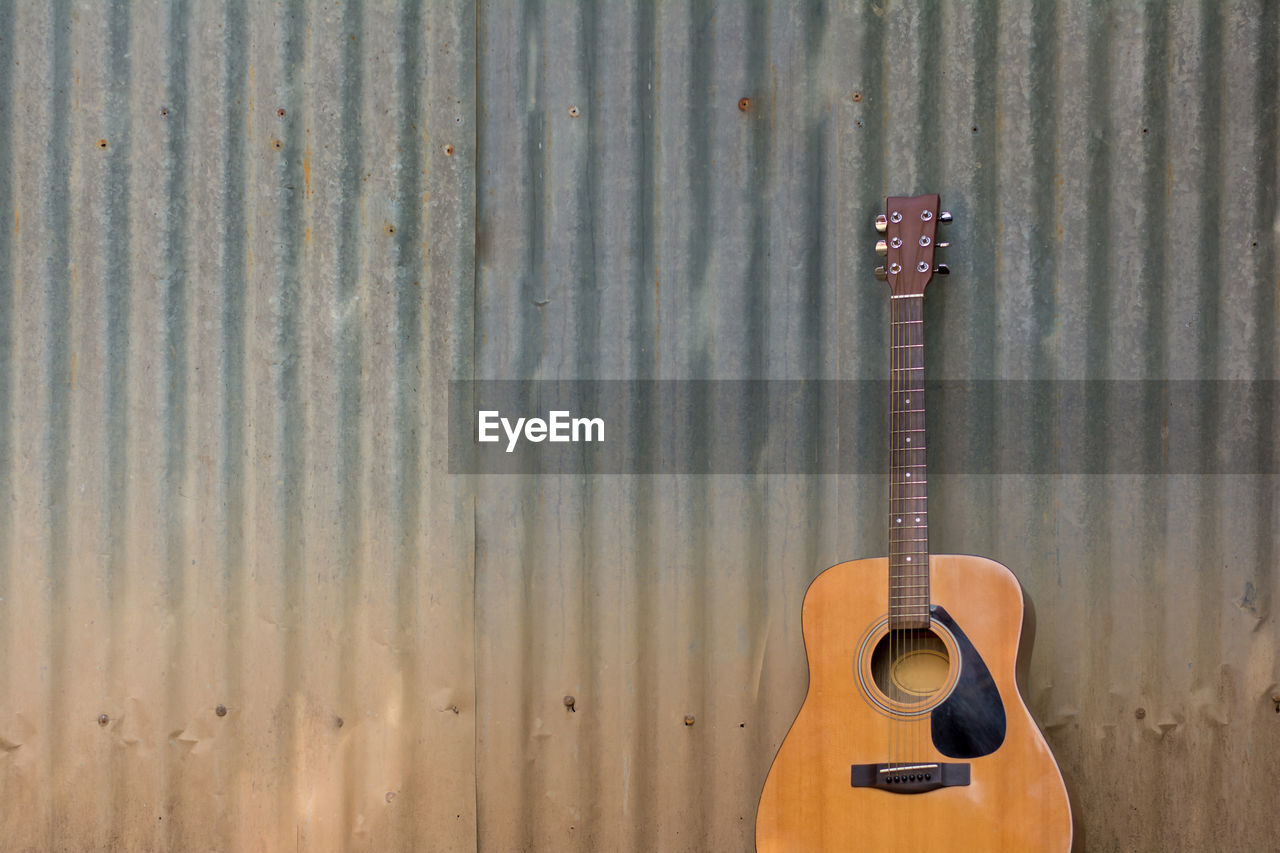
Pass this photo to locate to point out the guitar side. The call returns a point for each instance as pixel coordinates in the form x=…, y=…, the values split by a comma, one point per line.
x=1015, y=800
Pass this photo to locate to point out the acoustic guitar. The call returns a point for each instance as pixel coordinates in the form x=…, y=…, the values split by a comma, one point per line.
x=913, y=734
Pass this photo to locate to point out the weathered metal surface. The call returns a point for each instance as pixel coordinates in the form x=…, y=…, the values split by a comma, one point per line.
x=237, y=254
x=226, y=339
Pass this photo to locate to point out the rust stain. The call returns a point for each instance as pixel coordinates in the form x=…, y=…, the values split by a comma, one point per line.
x=306, y=173
x=73, y=370
x=307, y=235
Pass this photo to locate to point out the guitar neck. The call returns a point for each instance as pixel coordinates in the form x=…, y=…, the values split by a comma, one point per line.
x=908, y=479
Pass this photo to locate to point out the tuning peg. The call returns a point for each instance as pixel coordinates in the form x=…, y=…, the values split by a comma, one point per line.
x=942, y=245
x=882, y=223
x=942, y=269
x=882, y=248
x=944, y=216
x=881, y=274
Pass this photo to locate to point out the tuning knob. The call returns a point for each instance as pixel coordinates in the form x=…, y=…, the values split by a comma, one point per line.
x=942, y=245
x=882, y=248
x=881, y=274
x=942, y=269
x=944, y=216
x=882, y=223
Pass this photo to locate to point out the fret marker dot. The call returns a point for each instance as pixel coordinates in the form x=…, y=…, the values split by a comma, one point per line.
x=908, y=559
x=899, y=521
x=908, y=441
x=908, y=476
x=917, y=521
x=907, y=401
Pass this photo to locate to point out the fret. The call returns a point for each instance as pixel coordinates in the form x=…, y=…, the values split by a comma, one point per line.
x=900, y=369
x=908, y=346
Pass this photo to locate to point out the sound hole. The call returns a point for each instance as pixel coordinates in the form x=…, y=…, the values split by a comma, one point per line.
x=909, y=666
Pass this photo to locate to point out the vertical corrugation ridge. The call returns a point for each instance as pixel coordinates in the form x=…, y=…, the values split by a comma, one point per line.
x=118, y=299
x=645, y=363
x=588, y=358
x=1209, y=578
x=349, y=368
x=1097, y=329
x=233, y=368
x=1266, y=286
x=1152, y=558
x=174, y=358
x=409, y=486
x=58, y=379
x=8, y=237
x=291, y=428
x=696, y=338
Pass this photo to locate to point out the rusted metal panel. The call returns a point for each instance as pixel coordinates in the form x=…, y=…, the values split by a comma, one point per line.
x=251, y=245
x=241, y=251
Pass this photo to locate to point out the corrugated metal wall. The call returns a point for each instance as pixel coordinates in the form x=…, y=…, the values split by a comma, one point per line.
x=251, y=243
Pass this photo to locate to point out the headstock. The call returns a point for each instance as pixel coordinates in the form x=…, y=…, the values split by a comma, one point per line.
x=910, y=226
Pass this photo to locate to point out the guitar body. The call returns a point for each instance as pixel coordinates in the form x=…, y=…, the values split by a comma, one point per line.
x=1015, y=799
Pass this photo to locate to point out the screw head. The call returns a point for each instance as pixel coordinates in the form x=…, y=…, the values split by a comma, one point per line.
x=688, y=719
x=103, y=719
x=1141, y=713
x=221, y=710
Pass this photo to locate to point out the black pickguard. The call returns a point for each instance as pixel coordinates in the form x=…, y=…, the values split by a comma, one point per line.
x=971, y=722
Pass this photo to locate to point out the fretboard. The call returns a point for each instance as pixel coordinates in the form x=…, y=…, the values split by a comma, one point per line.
x=908, y=480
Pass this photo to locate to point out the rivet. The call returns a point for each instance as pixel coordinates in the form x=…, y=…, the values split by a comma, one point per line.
x=103, y=719
x=221, y=710
x=1140, y=713
x=280, y=112
x=164, y=112
x=448, y=151
x=857, y=96
x=573, y=112
x=688, y=719
x=744, y=104
x=569, y=702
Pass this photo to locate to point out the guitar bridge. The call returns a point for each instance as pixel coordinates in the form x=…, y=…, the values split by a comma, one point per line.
x=909, y=778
